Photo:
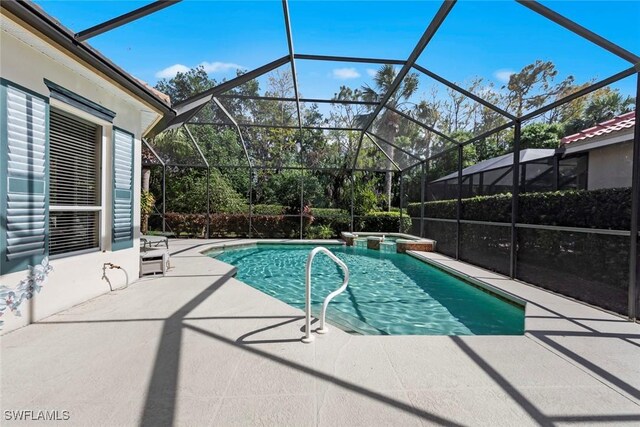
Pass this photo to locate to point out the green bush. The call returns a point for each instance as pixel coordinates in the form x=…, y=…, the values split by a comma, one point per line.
x=269, y=209
x=319, y=232
x=186, y=225
x=224, y=198
x=337, y=220
x=329, y=212
x=606, y=208
x=236, y=225
x=383, y=222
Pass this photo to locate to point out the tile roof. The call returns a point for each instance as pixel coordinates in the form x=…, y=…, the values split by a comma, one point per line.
x=166, y=98
x=622, y=122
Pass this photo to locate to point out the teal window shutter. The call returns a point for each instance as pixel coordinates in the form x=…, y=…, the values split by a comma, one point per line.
x=24, y=192
x=122, y=229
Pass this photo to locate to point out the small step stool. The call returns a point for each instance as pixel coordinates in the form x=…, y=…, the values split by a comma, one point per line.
x=154, y=261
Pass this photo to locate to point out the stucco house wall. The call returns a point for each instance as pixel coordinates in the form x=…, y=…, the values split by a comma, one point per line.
x=610, y=166
x=27, y=59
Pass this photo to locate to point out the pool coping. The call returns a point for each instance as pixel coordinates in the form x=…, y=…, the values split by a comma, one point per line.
x=379, y=233
x=254, y=242
x=473, y=281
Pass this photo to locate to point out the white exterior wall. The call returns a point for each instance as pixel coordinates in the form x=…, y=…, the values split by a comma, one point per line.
x=26, y=60
x=610, y=166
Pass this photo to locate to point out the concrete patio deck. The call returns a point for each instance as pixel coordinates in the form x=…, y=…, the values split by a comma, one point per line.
x=198, y=347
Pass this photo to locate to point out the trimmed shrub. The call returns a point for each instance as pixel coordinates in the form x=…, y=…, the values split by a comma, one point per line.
x=606, y=208
x=383, y=222
x=329, y=212
x=236, y=225
x=186, y=225
x=269, y=210
x=586, y=266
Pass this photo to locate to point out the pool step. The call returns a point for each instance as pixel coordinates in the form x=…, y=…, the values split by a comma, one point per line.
x=350, y=324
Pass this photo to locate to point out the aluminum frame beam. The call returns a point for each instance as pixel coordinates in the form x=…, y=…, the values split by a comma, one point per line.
x=186, y=111
x=348, y=59
x=294, y=76
x=408, y=153
x=153, y=151
x=423, y=125
x=489, y=133
x=431, y=30
x=235, y=82
x=195, y=143
x=124, y=19
x=34, y=16
x=399, y=169
x=581, y=31
x=585, y=91
x=226, y=113
x=260, y=125
x=633, y=297
x=463, y=91
x=515, y=196
x=310, y=100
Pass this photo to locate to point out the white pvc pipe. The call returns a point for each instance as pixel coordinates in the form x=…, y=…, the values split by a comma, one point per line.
x=308, y=337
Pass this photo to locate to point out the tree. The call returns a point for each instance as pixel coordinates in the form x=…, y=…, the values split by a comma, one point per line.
x=389, y=122
x=606, y=105
x=533, y=86
x=542, y=135
x=186, y=84
x=603, y=104
x=428, y=112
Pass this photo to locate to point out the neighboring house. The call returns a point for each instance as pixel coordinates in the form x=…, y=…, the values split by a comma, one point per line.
x=610, y=149
x=541, y=169
x=71, y=124
x=594, y=158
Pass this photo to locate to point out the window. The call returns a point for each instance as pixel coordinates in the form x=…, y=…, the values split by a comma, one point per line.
x=74, y=196
x=573, y=172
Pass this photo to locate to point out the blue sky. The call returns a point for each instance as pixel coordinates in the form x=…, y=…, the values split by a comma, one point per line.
x=486, y=39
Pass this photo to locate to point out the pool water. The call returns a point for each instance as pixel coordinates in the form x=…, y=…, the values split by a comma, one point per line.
x=388, y=293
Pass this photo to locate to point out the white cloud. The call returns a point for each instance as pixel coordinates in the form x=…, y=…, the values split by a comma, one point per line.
x=219, y=67
x=372, y=72
x=503, y=75
x=171, y=71
x=209, y=67
x=345, y=73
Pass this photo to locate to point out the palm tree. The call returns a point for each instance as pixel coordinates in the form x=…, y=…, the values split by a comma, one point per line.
x=388, y=124
x=606, y=107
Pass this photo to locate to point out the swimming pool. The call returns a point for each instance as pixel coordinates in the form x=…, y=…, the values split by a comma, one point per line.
x=388, y=293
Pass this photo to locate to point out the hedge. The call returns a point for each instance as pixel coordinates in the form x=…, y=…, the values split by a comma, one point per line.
x=235, y=225
x=268, y=210
x=330, y=212
x=606, y=208
x=281, y=226
x=586, y=266
x=382, y=222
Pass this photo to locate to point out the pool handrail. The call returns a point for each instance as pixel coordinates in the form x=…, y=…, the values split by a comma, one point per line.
x=323, y=329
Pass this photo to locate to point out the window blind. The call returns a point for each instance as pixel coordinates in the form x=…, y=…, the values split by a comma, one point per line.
x=75, y=186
